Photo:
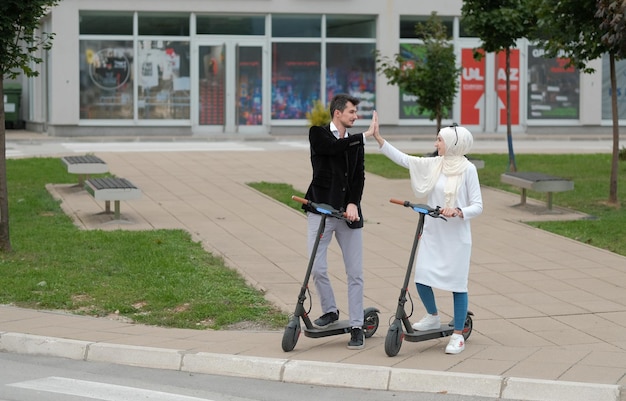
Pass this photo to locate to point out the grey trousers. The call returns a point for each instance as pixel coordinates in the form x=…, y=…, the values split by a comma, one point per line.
x=351, y=243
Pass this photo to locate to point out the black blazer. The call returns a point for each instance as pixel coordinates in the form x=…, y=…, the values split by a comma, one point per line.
x=338, y=170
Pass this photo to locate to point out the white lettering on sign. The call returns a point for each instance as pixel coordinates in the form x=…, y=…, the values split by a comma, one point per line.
x=470, y=74
x=514, y=76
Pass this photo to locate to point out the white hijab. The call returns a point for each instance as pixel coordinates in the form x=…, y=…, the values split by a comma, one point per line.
x=425, y=171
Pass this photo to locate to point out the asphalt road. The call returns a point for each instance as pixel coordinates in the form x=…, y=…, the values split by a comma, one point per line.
x=39, y=378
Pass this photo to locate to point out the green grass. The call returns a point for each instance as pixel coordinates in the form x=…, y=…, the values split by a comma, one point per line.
x=280, y=192
x=590, y=173
x=156, y=277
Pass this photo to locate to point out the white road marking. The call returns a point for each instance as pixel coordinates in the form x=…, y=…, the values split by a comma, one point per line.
x=99, y=391
x=13, y=153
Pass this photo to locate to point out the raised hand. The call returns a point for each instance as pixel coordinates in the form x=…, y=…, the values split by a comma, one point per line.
x=373, y=128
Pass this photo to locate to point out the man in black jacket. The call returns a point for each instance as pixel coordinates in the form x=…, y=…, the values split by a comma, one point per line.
x=337, y=158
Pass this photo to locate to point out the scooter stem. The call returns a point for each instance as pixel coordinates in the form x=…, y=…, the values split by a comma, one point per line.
x=400, y=312
x=300, y=311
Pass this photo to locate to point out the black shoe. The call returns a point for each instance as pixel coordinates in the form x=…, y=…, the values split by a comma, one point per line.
x=326, y=319
x=357, y=338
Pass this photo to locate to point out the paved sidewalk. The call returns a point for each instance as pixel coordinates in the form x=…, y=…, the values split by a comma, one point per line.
x=550, y=313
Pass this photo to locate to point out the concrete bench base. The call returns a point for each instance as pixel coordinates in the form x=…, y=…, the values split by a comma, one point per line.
x=537, y=182
x=84, y=166
x=112, y=189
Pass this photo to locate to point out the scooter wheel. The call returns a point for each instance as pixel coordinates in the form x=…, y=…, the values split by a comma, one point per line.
x=291, y=334
x=469, y=325
x=393, y=341
x=370, y=322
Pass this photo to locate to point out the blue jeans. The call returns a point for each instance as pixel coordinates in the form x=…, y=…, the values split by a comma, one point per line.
x=460, y=304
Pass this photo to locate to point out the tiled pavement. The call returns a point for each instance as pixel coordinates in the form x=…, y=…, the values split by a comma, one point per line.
x=550, y=313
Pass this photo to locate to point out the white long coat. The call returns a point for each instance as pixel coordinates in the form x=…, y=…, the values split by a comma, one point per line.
x=443, y=256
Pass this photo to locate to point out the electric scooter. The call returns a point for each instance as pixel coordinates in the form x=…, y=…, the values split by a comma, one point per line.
x=401, y=327
x=293, y=329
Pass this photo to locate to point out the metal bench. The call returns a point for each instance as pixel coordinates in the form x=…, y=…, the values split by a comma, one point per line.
x=84, y=166
x=537, y=182
x=112, y=189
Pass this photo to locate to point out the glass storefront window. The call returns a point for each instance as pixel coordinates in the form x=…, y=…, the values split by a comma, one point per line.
x=230, y=25
x=464, y=31
x=163, y=80
x=212, y=84
x=408, y=23
x=106, y=84
x=163, y=24
x=350, y=26
x=553, y=91
x=351, y=68
x=106, y=23
x=295, y=79
x=296, y=26
x=249, y=85
x=620, y=75
x=408, y=102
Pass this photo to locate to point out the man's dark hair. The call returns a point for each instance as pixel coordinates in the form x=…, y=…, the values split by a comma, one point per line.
x=340, y=101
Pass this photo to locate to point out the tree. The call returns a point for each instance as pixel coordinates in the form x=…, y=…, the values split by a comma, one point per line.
x=433, y=78
x=499, y=24
x=19, y=40
x=584, y=30
x=613, y=24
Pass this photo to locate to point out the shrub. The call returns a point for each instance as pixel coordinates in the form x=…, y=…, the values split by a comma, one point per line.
x=319, y=114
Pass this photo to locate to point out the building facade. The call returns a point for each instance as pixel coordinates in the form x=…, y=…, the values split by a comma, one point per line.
x=236, y=67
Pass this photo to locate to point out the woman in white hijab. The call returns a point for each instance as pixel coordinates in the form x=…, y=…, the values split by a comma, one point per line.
x=451, y=181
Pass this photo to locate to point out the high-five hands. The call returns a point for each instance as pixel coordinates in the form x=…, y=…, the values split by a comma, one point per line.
x=373, y=128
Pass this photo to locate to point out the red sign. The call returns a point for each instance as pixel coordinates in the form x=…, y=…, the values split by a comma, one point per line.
x=514, y=82
x=472, y=88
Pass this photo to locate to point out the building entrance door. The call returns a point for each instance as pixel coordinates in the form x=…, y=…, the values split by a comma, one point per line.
x=231, y=87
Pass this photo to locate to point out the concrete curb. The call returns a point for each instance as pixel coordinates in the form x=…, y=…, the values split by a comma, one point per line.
x=311, y=372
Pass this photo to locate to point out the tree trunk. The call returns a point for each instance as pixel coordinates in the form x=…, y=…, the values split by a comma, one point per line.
x=5, y=242
x=615, y=157
x=438, y=125
x=509, y=135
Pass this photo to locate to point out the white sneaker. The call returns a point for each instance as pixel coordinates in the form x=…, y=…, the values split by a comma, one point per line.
x=456, y=344
x=428, y=322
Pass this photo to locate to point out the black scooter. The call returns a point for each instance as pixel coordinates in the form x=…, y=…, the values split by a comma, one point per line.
x=293, y=329
x=396, y=334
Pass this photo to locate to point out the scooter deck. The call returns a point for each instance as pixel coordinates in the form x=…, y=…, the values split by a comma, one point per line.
x=445, y=330
x=335, y=328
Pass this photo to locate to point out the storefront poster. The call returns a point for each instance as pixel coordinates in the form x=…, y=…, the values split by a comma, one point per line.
x=351, y=68
x=164, y=82
x=620, y=75
x=472, y=88
x=409, y=102
x=553, y=88
x=106, y=84
x=295, y=79
x=514, y=82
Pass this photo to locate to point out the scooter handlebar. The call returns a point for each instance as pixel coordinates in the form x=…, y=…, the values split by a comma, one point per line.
x=399, y=202
x=420, y=208
x=322, y=208
x=301, y=200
